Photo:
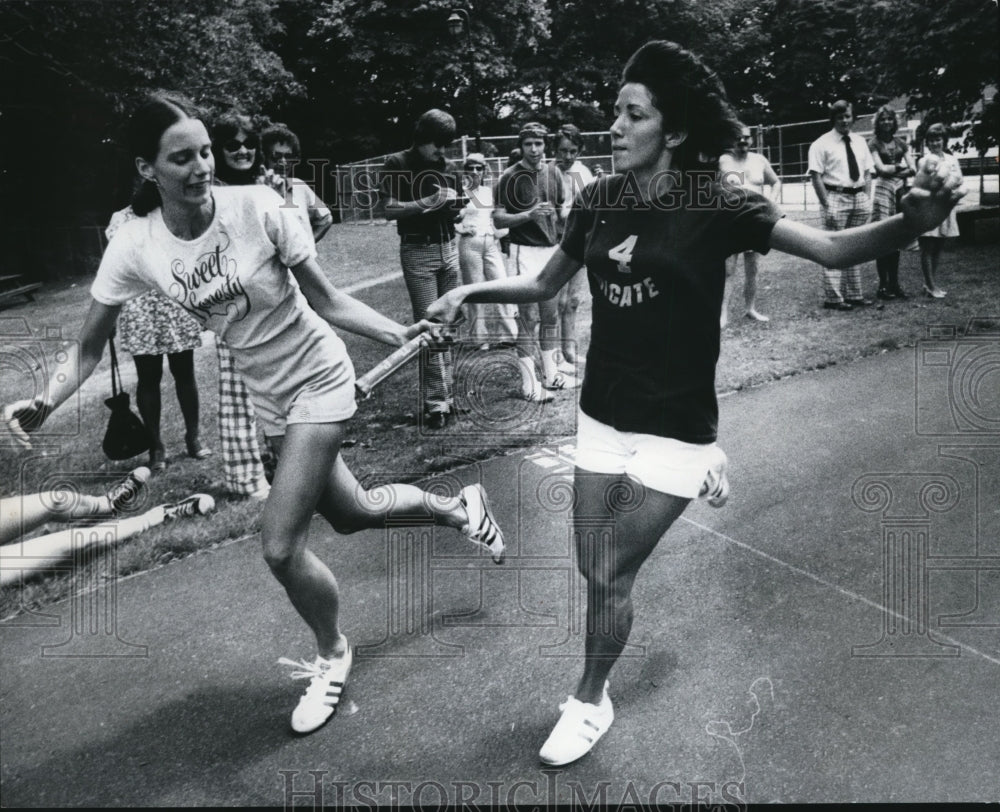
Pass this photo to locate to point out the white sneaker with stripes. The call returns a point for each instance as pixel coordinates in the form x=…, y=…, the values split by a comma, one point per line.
x=482, y=528
x=577, y=730
x=326, y=684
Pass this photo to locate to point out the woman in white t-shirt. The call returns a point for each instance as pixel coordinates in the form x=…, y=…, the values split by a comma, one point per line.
x=230, y=256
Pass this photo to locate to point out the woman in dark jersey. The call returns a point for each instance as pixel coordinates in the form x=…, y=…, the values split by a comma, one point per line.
x=654, y=239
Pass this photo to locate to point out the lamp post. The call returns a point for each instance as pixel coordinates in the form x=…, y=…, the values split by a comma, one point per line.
x=458, y=20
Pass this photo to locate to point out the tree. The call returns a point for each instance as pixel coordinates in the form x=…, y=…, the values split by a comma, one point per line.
x=370, y=68
x=942, y=56
x=78, y=68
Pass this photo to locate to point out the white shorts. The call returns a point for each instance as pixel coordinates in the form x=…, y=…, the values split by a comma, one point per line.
x=659, y=463
x=528, y=260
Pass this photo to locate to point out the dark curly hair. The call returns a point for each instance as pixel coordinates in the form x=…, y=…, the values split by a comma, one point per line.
x=690, y=97
x=226, y=127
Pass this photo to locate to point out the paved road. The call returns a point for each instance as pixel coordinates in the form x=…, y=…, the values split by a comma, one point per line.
x=830, y=635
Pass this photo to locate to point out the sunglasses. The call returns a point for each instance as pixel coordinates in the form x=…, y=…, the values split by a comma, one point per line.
x=475, y=168
x=233, y=145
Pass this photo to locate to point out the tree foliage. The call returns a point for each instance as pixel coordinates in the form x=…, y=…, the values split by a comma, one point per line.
x=352, y=75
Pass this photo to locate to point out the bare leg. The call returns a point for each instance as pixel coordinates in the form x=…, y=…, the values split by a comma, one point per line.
x=312, y=476
x=750, y=286
x=610, y=567
x=21, y=514
x=38, y=554
x=727, y=291
x=930, y=253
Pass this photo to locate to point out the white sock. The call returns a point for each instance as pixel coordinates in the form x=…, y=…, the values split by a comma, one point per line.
x=549, y=364
x=526, y=365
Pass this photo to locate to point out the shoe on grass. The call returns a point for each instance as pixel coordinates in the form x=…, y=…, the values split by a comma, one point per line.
x=577, y=730
x=538, y=395
x=124, y=495
x=196, y=505
x=563, y=381
x=327, y=678
x=482, y=528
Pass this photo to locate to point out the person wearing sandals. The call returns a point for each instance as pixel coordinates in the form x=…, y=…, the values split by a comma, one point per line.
x=244, y=265
x=893, y=165
x=654, y=240
x=150, y=327
x=933, y=241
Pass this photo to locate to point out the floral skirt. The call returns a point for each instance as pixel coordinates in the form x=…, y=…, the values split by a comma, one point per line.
x=154, y=325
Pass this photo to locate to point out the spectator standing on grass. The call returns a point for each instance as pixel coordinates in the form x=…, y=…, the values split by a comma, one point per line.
x=282, y=152
x=576, y=176
x=420, y=194
x=655, y=256
x=893, y=165
x=480, y=255
x=238, y=162
x=751, y=170
x=931, y=242
x=150, y=327
x=529, y=200
x=244, y=265
x=839, y=167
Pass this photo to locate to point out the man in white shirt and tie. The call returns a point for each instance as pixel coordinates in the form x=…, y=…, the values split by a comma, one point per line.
x=840, y=167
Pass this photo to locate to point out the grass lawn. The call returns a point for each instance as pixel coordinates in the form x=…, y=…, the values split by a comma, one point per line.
x=385, y=439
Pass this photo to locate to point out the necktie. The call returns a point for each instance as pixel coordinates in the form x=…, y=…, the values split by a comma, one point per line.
x=852, y=162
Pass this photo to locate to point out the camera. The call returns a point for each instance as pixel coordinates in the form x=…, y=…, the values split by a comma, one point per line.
x=958, y=380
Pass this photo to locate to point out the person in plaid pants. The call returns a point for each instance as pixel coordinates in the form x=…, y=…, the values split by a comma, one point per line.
x=840, y=168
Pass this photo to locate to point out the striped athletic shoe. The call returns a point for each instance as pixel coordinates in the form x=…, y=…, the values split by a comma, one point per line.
x=482, y=528
x=577, y=730
x=326, y=685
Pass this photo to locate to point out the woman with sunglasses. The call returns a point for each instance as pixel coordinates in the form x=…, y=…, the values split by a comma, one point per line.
x=245, y=266
x=480, y=257
x=238, y=162
x=654, y=239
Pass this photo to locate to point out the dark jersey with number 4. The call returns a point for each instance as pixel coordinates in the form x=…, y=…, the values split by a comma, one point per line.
x=656, y=272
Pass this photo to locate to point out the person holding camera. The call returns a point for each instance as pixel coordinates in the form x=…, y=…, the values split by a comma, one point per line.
x=420, y=194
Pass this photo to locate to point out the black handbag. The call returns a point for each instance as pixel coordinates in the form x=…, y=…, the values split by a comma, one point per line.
x=126, y=435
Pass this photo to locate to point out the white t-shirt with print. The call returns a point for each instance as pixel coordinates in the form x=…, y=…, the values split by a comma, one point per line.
x=234, y=279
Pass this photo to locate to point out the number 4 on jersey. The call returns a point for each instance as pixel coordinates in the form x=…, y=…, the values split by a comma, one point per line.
x=622, y=253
